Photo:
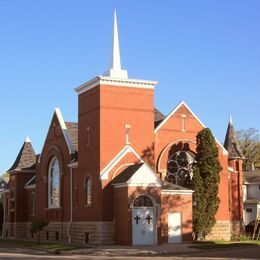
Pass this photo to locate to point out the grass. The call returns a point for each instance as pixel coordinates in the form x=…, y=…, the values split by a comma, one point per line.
x=47, y=246
x=223, y=244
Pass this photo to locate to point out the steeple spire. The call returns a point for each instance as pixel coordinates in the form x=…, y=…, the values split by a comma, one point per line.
x=27, y=139
x=115, y=70
x=230, y=119
x=231, y=142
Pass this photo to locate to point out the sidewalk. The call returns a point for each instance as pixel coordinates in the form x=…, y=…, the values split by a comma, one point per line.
x=116, y=250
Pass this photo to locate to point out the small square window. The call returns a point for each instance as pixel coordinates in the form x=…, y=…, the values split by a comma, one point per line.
x=249, y=210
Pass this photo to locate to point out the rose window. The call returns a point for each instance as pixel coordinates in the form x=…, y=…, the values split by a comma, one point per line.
x=179, y=168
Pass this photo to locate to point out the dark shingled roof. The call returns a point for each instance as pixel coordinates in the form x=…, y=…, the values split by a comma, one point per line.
x=170, y=186
x=231, y=143
x=252, y=177
x=25, y=160
x=158, y=117
x=127, y=173
x=72, y=128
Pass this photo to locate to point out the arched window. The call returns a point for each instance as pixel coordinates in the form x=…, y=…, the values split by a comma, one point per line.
x=54, y=184
x=143, y=201
x=88, y=191
x=179, y=168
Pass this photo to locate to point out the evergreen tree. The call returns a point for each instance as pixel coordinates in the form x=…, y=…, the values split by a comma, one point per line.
x=205, y=184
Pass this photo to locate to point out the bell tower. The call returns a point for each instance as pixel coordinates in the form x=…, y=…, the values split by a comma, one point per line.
x=113, y=111
x=235, y=163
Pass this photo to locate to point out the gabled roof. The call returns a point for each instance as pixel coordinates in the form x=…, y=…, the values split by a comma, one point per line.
x=126, y=149
x=174, y=110
x=72, y=128
x=65, y=131
x=158, y=117
x=127, y=173
x=137, y=175
x=231, y=143
x=26, y=158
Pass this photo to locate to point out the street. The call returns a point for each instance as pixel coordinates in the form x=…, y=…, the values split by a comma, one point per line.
x=11, y=251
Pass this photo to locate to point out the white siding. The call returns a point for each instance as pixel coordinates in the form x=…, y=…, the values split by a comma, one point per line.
x=253, y=191
x=244, y=192
x=250, y=216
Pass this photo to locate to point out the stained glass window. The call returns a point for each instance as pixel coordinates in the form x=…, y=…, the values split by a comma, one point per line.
x=179, y=168
x=54, y=183
x=143, y=201
x=88, y=191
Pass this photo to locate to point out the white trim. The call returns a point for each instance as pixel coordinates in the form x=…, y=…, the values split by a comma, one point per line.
x=64, y=130
x=127, y=149
x=33, y=177
x=176, y=192
x=103, y=80
x=230, y=169
x=251, y=183
x=174, y=110
x=143, y=177
x=30, y=187
x=73, y=165
x=27, y=139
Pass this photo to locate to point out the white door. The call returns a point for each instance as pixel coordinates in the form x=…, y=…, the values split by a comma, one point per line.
x=174, y=227
x=143, y=223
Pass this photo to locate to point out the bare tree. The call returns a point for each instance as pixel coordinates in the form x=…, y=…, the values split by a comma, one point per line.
x=250, y=145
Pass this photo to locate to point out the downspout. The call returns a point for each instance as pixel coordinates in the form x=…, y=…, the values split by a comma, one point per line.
x=71, y=205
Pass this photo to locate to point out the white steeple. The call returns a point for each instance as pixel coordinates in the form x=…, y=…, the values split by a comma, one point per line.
x=230, y=119
x=115, y=70
x=27, y=139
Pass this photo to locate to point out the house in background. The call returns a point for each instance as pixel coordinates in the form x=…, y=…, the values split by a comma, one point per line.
x=251, y=188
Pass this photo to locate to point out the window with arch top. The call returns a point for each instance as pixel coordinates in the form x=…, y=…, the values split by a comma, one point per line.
x=143, y=201
x=54, y=183
x=88, y=191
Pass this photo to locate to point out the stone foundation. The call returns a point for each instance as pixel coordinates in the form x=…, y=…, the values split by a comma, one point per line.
x=96, y=233
x=221, y=231
x=237, y=228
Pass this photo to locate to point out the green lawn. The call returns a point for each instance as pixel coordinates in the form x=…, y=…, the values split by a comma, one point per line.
x=223, y=244
x=48, y=246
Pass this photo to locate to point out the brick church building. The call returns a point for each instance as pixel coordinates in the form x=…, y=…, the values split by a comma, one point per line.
x=118, y=175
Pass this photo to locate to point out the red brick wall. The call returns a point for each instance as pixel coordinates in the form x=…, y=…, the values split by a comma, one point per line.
x=55, y=145
x=237, y=190
x=120, y=106
x=177, y=203
x=171, y=134
x=122, y=217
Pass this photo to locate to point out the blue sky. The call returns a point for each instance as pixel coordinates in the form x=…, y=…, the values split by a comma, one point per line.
x=206, y=53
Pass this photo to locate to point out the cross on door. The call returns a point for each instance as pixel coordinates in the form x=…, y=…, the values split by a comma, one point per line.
x=137, y=218
x=148, y=219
